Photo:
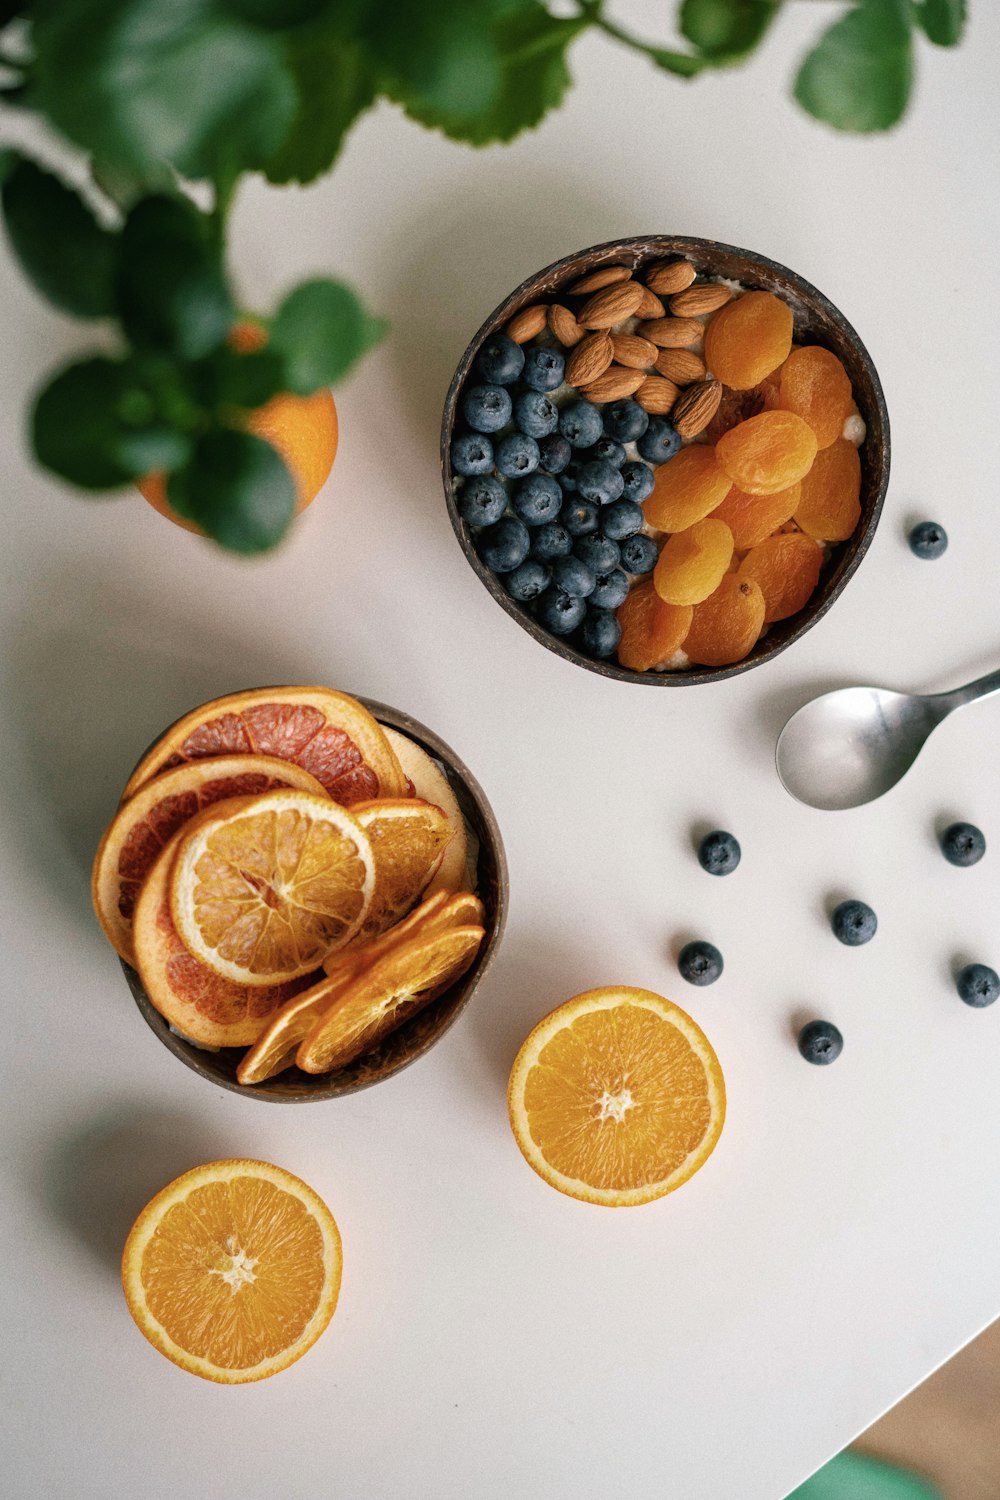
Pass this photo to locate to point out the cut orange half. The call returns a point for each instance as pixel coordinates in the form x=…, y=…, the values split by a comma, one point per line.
x=328, y=734
x=616, y=1097
x=147, y=821
x=408, y=839
x=233, y=1270
x=430, y=783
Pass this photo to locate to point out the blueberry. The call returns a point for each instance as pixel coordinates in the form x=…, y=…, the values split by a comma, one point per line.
x=719, y=853
x=570, y=475
x=551, y=541
x=978, y=985
x=579, y=517
x=573, y=577
x=472, y=453
x=598, y=553
x=607, y=451
x=928, y=540
x=537, y=499
x=659, y=442
x=638, y=479
x=699, y=963
x=554, y=453
x=610, y=590
x=482, y=500
x=527, y=581
x=600, y=481
x=854, y=923
x=820, y=1042
x=486, y=408
x=560, y=613
x=504, y=546
x=543, y=368
x=535, y=414
x=517, y=455
x=625, y=421
x=580, y=422
x=963, y=844
x=639, y=553
x=601, y=633
x=621, y=519
x=500, y=360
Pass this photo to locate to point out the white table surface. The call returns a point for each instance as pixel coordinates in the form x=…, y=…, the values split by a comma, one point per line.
x=493, y=1338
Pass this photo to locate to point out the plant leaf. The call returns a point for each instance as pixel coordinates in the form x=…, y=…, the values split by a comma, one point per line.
x=439, y=59
x=726, y=30
x=679, y=63
x=320, y=331
x=858, y=75
x=60, y=244
x=278, y=14
x=335, y=82
x=244, y=381
x=237, y=489
x=942, y=20
x=170, y=291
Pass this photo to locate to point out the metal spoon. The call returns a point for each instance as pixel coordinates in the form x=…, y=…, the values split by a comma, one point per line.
x=849, y=747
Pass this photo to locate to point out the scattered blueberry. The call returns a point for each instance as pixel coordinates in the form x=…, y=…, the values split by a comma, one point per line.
x=535, y=414
x=638, y=479
x=659, y=442
x=482, y=500
x=625, y=421
x=486, y=408
x=608, y=451
x=854, y=923
x=978, y=985
x=472, y=453
x=928, y=540
x=581, y=423
x=554, y=453
x=719, y=853
x=579, y=517
x=560, y=613
x=700, y=963
x=620, y=519
x=543, y=368
x=639, y=553
x=570, y=475
x=820, y=1042
x=600, y=481
x=500, y=361
x=963, y=844
x=610, y=590
x=516, y=455
x=551, y=541
x=601, y=633
x=537, y=499
x=527, y=581
x=598, y=553
x=504, y=546
x=573, y=577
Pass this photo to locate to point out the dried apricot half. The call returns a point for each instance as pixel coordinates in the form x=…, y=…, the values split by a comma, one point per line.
x=726, y=626
x=748, y=338
x=830, y=506
x=786, y=568
x=815, y=385
x=692, y=562
x=686, y=488
x=651, y=630
x=751, y=518
x=767, y=453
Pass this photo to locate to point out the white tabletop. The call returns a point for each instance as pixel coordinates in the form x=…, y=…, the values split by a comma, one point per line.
x=493, y=1338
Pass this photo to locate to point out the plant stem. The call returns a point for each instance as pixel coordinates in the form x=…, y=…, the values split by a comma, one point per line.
x=683, y=63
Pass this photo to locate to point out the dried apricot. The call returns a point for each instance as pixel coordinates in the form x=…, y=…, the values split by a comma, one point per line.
x=727, y=625
x=738, y=406
x=786, y=568
x=686, y=488
x=768, y=453
x=815, y=385
x=692, y=562
x=830, y=506
x=751, y=518
x=651, y=630
x=748, y=338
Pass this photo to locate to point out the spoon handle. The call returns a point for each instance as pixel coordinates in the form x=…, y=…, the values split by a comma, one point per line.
x=983, y=687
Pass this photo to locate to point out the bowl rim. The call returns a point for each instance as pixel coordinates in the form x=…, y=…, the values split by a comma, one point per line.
x=640, y=247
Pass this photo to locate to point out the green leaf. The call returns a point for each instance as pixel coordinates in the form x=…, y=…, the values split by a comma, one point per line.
x=278, y=14
x=335, y=82
x=242, y=380
x=60, y=245
x=320, y=331
x=726, y=30
x=678, y=63
x=942, y=20
x=440, y=59
x=858, y=75
x=237, y=489
x=171, y=292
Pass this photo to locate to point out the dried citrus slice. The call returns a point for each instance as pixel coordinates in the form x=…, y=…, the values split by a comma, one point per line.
x=408, y=839
x=233, y=1270
x=430, y=783
x=146, y=822
x=616, y=1097
x=332, y=736
x=263, y=888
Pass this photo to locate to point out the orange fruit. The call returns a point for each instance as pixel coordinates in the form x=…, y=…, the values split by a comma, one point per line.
x=328, y=734
x=616, y=1097
x=144, y=825
x=686, y=488
x=431, y=783
x=651, y=630
x=302, y=430
x=408, y=839
x=233, y=1270
x=263, y=888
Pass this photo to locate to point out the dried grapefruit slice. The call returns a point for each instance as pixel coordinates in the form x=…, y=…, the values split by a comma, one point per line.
x=408, y=838
x=233, y=1270
x=430, y=783
x=328, y=734
x=146, y=822
x=616, y=1097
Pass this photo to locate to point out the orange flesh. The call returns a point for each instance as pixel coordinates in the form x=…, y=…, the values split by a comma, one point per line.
x=651, y=629
x=751, y=518
x=830, y=505
x=692, y=562
x=748, y=338
x=815, y=385
x=767, y=453
x=686, y=488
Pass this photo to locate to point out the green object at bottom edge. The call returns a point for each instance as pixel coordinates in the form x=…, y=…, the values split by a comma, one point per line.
x=852, y=1476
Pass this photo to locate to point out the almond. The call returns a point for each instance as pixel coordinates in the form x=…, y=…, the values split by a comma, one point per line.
x=615, y=384
x=669, y=276
x=656, y=395
x=528, y=323
x=629, y=349
x=698, y=300
x=680, y=366
x=650, y=306
x=564, y=326
x=594, y=280
x=696, y=407
x=672, y=333
x=610, y=306
x=589, y=359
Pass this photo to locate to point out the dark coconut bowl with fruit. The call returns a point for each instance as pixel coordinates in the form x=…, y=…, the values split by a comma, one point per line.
x=665, y=458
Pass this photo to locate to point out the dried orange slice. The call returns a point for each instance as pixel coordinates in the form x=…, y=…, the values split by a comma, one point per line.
x=263, y=888
x=430, y=783
x=146, y=822
x=233, y=1270
x=328, y=734
x=408, y=839
x=616, y=1097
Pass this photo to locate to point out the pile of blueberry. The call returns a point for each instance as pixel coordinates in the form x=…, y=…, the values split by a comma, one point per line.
x=550, y=493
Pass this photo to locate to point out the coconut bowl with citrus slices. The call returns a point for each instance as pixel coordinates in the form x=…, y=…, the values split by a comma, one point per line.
x=304, y=890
